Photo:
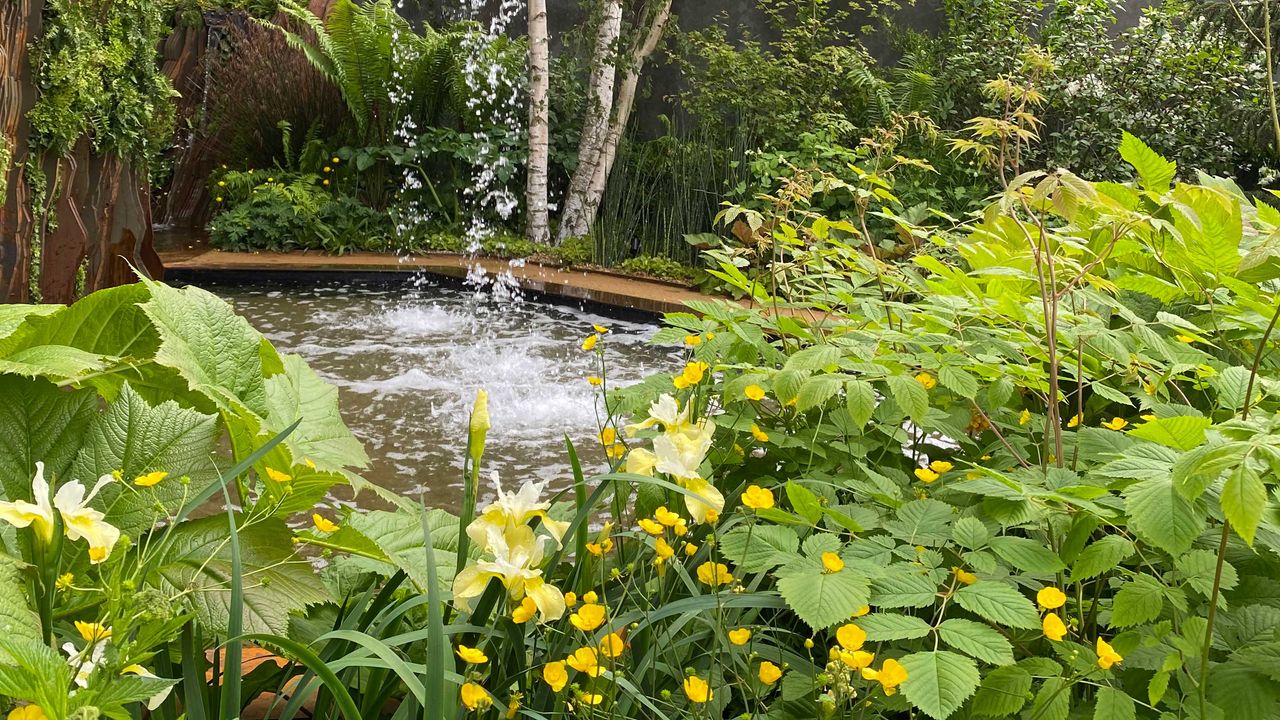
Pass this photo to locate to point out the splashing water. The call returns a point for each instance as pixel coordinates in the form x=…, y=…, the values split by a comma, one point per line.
x=408, y=360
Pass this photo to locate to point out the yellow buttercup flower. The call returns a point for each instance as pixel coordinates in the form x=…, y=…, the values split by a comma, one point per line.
x=1025, y=417
x=927, y=380
x=695, y=371
x=926, y=475
x=1051, y=598
x=65, y=581
x=585, y=660
x=590, y=342
x=323, y=524
x=595, y=380
x=1107, y=656
x=890, y=675
x=757, y=498
x=831, y=562
x=693, y=340
x=277, y=476
x=1075, y=420
x=1115, y=423
x=570, y=599
x=740, y=636
x=473, y=656
x=769, y=673
x=92, y=632
x=591, y=698
x=612, y=645
x=588, y=617
x=964, y=576
x=851, y=637
x=714, y=574
x=590, y=596
x=601, y=548
x=754, y=392
x=608, y=435
x=663, y=549
x=653, y=527
x=697, y=689
x=1053, y=627
x=666, y=517
x=150, y=479
x=474, y=697
x=758, y=434
x=27, y=712
x=554, y=674
x=335, y=160
x=690, y=549
x=525, y=611
x=857, y=660
x=600, y=329
x=941, y=466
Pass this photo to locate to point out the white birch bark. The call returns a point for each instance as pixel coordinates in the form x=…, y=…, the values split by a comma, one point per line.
x=538, y=228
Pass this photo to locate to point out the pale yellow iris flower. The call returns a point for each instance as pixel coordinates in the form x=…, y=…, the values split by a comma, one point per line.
x=79, y=520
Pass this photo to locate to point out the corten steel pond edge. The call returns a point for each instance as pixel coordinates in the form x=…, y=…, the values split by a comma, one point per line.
x=597, y=288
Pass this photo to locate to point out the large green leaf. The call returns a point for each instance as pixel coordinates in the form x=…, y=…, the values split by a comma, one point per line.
x=13, y=316
x=904, y=585
x=759, y=547
x=135, y=438
x=880, y=627
x=277, y=583
x=822, y=598
x=322, y=437
x=215, y=351
x=398, y=539
x=1000, y=603
x=939, y=682
x=1244, y=498
x=1180, y=432
x=17, y=619
x=39, y=422
x=1003, y=692
x=1138, y=601
x=976, y=640
x=910, y=396
x=1154, y=172
x=1100, y=557
x=1114, y=704
x=1163, y=516
x=1027, y=555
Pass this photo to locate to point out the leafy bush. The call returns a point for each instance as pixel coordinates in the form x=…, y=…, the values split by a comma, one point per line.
x=659, y=267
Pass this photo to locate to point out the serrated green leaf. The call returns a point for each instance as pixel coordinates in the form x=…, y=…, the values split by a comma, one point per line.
x=804, y=502
x=909, y=395
x=816, y=391
x=399, y=536
x=1244, y=497
x=819, y=598
x=904, y=585
x=1114, y=704
x=976, y=640
x=999, y=603
x=1154, y=172
x=882, y=626
x=1100, y=557
x=760, y=547
x=1163, y=516
x=1003, y=692
x=1138, y=601
x=322, y=437
x=817, y=357
x=860, y=399
x=970, y=532
x=39, y=422
x=1180, y=432
x=939, y=682
x=1027, y=555
x=1052, y=702
x=1199, y=567
x=959, y=381
x=17, y=620
x=922, y=522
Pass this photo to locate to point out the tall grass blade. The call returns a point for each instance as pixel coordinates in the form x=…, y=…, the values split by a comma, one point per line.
x=298, y=652
x=437, y=643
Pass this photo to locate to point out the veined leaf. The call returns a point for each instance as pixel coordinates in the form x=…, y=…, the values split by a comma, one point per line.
x=1180, y=432
x=821, y=598
x=1244, y=497
x=939, y=682
x=1100, y=557
x=1154, y=172
x=1027, y=555
x=322, y=437
x=909, y=395
x=760, y=547
x=1138, y=601
x=1114, y=704
x=903, y=585
x=1003, y=692
x=1162, y=516
x=1000, y=603
x=39, y=422
x=976, y=640
x=892, y=626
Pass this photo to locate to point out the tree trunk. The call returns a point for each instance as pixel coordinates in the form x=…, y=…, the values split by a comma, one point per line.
x=622, y=113
x=21, y=22
x=538, y=226
x=576, y=221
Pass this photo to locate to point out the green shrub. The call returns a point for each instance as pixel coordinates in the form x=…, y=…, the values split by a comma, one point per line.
x=659, y=267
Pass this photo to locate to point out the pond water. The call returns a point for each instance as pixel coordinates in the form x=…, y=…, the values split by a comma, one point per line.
x=408, y=358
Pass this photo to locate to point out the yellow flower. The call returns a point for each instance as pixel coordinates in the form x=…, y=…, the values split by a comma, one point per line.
x=653, y=527
x=851, y=637
x=1025, y=417
x=1149, y=388
x=740, y=636
x=474, y=697
x=554, y=674
x=1053, y=627
x=927, y=381
x=222, y=183
x=27, y=712
x=769, y=673
x=1107, y=656
x=322, y=523
x=941, y=466
x=697, y=690
x=714, y=574
x=585, y=660
x=150, y=479
x=525, y=612
x=964, y=576
x=590, y=342
x=831, y=562
x=595, y=380
x=326, y=169
x=1115, y=423
x=693, y=340
x=926, y=475
x=858, y=659
x=591, y=698
x=754, y=392
x=218, y=199
x=326, y=182
x=65, y=581
x=890, y=675
x=1051, y=598
x=690, y=549
x=758, y=434
x=600, y=329
x=92, y=632
x=590, y=596
x=588, y=617
x=473, y=656
x=862, y=611
x=278, y=476
x=570, y=599
x=681, y=528
x=663, y=549
x=80, y=521
x=757, y=498
x=612, y=645
x=601, y=548
x=666, y=517
x=641, y=462
x=335, y=160
x=1075, y=420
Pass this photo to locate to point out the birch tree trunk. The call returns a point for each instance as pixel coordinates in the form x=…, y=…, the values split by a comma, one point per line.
x=576, y=221
x=626, y=101
x=538, y=230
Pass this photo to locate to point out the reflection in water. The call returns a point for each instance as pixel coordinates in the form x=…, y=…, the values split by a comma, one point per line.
x=408, y=357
